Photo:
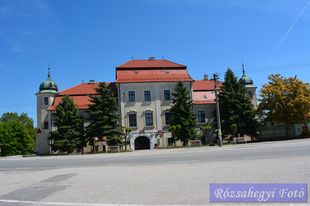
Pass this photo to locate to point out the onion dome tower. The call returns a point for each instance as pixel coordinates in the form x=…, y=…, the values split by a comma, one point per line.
x=45, y=97
x=249, y=86
x=48, y=86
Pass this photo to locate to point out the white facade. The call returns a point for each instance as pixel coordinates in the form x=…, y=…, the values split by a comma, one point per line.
x=44, y=123
x=149, y=98
x=144, y=101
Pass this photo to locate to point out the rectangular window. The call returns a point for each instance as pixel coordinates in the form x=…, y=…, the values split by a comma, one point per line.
x=45, y=125
x=168, y=118
x=131, y=96
x=201, y=117
x=147, y=96
x=149, y=119
x=132, y=120
x=167, y=95
x=53, y=119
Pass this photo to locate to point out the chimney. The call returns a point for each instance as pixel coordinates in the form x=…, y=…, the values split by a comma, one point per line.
x=91, y=81
x=151, y=58
x=205, y=77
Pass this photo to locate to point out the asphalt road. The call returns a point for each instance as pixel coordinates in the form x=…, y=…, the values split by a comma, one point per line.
x=175, y=176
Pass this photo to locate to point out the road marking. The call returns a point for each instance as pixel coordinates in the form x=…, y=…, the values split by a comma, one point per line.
x=72, y=204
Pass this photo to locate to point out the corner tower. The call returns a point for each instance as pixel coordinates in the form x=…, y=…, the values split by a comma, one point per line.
x=45, y=98
x=249, y=86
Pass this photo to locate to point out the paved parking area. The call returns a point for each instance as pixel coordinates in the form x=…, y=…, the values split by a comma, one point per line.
x=165, y=177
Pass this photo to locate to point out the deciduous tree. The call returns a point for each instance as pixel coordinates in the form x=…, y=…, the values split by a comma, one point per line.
x=22, y=118
x=15, y=139
x=285, y=100
x=126, y=131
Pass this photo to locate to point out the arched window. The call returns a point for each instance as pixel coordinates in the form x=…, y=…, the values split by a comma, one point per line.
x=250, y=94
x=45, y=125
x=45, y=100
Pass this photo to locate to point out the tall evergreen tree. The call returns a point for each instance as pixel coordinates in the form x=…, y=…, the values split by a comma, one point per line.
x=183, y=118
x=68, y=135
x=104, y=116
x=236, y=109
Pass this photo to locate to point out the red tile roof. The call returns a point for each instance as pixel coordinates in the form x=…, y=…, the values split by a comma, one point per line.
x=150, y=63
x=85, y=89
x=204, y=85
x=206, y=97
x=147, y=75
x=81, y=89
x=80, y=94
x=82, y=102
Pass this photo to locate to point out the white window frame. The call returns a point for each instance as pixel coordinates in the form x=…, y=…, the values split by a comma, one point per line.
x=204, y=114
x=150, y=95
x=134, y=96
x=165, y=94
x=132, y=113
x=146, y=120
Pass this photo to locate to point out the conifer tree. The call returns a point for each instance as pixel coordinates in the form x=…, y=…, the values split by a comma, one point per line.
x=104, y=116
x=68, y=135
x=183, y=118
x=236, y=109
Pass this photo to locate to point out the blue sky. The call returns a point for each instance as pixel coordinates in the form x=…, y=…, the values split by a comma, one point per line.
x=84, y=40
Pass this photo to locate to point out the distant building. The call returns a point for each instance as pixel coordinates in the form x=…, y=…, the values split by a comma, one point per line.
x=144, y=92
x=250, y=88
x=45, y=99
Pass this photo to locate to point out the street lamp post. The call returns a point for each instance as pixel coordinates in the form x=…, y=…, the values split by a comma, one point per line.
x=218, y=118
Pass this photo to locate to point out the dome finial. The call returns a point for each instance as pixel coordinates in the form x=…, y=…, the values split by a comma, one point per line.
x=245, y=80
x=243, y=71
x=49, y=72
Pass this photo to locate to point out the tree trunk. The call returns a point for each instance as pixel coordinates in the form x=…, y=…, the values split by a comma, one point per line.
x=126, y=143
x=173, y=139
x=83, y=151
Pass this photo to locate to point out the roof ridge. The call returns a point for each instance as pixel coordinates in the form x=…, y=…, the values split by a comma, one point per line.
x=174, y=62
x=147, y=63
x=70, y=88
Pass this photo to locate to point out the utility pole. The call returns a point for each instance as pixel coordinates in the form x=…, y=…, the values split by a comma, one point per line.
x=218, y=118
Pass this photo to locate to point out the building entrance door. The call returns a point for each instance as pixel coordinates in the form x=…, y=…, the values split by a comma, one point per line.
x=142, y=142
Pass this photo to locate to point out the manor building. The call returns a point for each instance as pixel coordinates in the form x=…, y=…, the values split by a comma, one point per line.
x=143, y=89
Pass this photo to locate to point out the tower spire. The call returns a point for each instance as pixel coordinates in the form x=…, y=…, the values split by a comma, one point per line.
x=49, y=72
x=243, y=71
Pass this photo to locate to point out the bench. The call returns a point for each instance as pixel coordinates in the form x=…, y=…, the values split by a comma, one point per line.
x=194, y=143
x=113, y=149
x=239, y=140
